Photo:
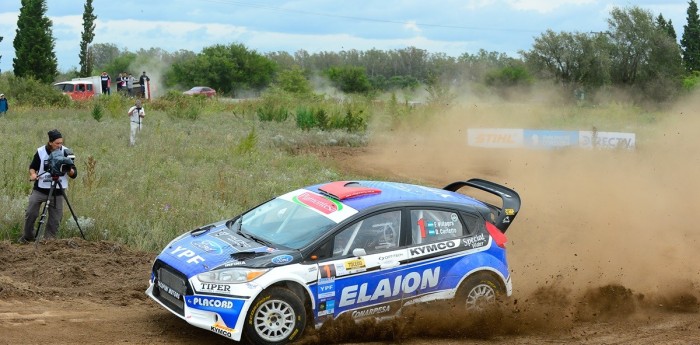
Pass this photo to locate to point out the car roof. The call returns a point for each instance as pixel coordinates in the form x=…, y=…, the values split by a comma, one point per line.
x=365, y=194
x=73, y=82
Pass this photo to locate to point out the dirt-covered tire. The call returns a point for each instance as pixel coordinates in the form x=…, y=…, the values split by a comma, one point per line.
x=276, y=316
x=479, y=292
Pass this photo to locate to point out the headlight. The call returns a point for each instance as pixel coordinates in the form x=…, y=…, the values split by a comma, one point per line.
x=231, y=275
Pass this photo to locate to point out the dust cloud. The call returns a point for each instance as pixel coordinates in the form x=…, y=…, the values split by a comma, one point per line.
x=600, y=232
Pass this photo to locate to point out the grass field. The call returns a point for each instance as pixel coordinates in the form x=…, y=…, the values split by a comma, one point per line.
x=188, y=171
x=181, y=173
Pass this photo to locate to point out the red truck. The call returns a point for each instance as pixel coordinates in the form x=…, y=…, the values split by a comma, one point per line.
x=85, y=88
x=80, y=88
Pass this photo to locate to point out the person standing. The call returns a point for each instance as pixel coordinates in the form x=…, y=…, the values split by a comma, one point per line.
x=136, y=115
x=106, y=81
x=120, y=82
x=142, y=81
x=4, y=106
x=42, y=186
x=130, y=85
x=123, y=81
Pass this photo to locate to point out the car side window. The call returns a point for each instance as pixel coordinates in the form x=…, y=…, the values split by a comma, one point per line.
x=472, y=223
x=435, y=225
x=374, y=234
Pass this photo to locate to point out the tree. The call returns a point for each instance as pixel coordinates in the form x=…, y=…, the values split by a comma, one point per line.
x=666, y=26
x=103, y=54
x=691, y=39
x=643, y=55
x=121, y=64
x=349, y=79
x=573, y=59
x=34, y=43
x=509, y=76
x=293, y=80
x=87, y=36
x=476, y=67
x=283, y=60
x=225, y=68
x=1, y=55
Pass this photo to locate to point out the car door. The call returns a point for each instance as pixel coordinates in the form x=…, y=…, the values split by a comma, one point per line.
x=358, y=277
x=434, y=254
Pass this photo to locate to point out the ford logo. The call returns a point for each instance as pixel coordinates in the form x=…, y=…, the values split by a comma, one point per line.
x=208, y=246
x=282, y=259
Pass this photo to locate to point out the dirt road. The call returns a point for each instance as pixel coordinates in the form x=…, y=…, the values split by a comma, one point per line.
x=604, y=251
x=71, y=291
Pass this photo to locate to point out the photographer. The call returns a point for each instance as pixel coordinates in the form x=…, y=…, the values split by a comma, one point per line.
x=136, y=115
x=42, y=185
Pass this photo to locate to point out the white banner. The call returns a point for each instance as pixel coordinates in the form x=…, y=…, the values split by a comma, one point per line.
x=495, y=137
x=606, y=140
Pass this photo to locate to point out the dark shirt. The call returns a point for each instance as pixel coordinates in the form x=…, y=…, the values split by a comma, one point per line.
x=142, y=78
x=36, y=164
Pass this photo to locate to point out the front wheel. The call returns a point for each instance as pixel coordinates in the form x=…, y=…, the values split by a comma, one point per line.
x=479, y=292
x=276, y=317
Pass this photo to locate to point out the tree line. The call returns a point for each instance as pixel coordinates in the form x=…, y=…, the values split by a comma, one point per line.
x=639, y=52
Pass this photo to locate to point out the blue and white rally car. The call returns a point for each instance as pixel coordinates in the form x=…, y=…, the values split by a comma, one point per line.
x=364, y=248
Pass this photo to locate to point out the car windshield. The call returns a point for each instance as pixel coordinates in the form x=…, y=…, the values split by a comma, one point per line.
x=285, y=223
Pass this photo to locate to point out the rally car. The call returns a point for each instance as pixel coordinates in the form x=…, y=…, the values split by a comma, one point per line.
x=361, y=248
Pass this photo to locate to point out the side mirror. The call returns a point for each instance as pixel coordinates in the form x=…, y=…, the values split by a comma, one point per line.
x=358, y=252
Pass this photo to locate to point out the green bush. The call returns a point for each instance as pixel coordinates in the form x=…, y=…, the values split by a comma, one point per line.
x=321, y=118
x=308, y=118
x=189, y=112
x=31, y=92
x=269, y=112
x=305, y=118
x=354, y=121
x=349, y=79
x=247, y=143
x=114, y=105
x=97, y=112
x=179, y=106
x=691, y=81
x=509, y=76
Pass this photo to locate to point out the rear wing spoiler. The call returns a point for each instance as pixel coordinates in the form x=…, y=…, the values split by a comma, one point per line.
x=503, y=216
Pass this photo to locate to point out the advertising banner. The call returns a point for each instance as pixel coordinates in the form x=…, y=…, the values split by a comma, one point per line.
x=607, y=140
x=495, y=137
x=542, y=139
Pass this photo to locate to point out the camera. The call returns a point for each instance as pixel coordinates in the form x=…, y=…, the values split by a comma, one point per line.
x=60, y=162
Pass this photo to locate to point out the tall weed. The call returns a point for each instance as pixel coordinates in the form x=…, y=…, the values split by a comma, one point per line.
x=179, y=175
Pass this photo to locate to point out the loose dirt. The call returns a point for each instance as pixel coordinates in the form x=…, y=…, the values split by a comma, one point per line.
x=605, y=250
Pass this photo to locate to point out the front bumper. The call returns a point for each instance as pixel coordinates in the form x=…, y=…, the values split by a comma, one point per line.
x=223, y=315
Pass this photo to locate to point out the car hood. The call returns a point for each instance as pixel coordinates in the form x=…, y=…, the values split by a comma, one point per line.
x=216, y=246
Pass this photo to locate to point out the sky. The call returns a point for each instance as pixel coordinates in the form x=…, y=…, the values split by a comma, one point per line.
x=439, y=26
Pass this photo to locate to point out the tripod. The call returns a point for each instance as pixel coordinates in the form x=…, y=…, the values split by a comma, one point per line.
x=54, y=182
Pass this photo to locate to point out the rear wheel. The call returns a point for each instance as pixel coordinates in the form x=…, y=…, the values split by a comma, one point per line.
x=276, y=317
x=479, y=292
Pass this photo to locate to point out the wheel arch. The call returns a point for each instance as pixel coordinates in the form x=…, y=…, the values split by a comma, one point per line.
x=503, y=285
x=300, y=290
